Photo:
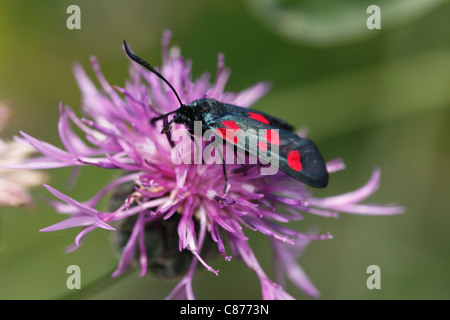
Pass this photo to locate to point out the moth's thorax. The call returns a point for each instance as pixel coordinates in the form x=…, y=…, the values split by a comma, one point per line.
x=203, y=110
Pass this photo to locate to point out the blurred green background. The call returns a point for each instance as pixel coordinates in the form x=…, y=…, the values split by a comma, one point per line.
x=373, y=97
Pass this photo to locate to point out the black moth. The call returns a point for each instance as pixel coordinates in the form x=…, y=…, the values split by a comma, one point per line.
x=298, y=157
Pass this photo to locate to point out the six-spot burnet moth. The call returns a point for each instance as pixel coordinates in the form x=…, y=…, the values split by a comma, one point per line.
x=296, y=156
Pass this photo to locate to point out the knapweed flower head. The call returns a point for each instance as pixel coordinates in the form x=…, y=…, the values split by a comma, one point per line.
x=14, y=184
x=169, y=217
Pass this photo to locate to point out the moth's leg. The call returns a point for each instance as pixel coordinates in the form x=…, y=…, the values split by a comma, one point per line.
x=167, y=132
x=227, y=186
x=191, y=135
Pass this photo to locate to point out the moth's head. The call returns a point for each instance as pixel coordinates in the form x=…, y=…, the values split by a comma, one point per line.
x=185, y=114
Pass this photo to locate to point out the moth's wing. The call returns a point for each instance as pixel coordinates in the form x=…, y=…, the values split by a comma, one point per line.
x=259, y=116
x=298, y=157
x=301, y=159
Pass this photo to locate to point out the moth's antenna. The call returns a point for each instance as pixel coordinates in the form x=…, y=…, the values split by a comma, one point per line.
x=145, y=64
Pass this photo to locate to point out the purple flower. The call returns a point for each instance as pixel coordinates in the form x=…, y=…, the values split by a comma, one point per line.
x=156, y=202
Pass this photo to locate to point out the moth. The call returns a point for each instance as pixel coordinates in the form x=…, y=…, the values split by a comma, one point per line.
x=296, y=156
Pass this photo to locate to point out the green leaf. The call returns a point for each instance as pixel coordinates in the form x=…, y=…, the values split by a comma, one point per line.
x=340, y=104
x=327, y=23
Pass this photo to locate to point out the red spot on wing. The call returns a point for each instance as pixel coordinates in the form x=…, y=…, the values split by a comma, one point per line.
x=231, y=124
x=262, y=146
x=227, y=135
x=258, y=117
x=294, y=160
x=272, y=137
